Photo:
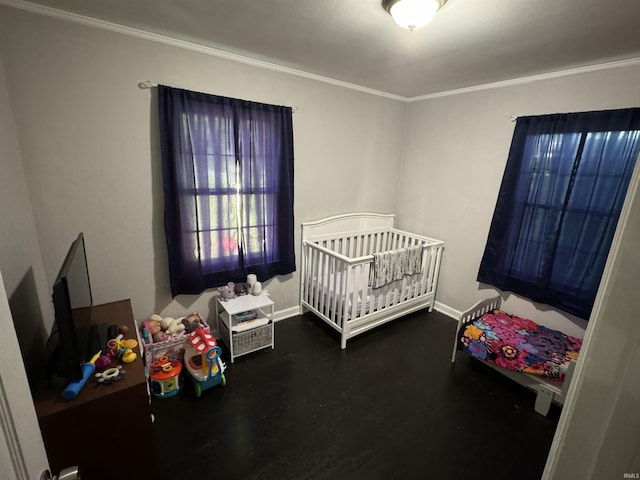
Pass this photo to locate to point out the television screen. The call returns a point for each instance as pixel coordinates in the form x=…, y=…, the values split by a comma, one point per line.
x=66, y=348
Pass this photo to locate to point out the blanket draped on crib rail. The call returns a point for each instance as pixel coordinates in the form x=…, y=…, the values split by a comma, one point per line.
x=393, y=265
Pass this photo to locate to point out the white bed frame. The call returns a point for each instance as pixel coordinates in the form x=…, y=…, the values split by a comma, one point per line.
x=341, y=247
x=547, y=391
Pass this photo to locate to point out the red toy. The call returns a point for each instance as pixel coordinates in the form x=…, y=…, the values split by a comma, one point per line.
x=203, y=362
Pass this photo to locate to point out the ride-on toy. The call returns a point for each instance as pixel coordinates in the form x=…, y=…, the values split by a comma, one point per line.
x=203, y=362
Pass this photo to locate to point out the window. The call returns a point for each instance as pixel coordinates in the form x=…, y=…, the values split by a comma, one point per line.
x=228, y=185
x=558, y=206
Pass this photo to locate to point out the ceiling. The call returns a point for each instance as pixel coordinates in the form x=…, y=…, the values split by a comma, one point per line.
x=469, y=43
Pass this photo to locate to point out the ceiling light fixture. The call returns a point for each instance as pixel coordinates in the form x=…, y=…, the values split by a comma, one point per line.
x=412, y=14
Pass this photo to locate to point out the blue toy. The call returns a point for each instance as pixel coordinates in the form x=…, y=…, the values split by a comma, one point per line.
x=75, y=386
x=204, y=364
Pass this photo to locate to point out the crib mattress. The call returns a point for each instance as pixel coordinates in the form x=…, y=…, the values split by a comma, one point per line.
x=391, y=294
x=519, y=344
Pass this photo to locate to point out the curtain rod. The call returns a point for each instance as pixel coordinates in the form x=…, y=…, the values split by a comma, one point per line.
x=147, y=85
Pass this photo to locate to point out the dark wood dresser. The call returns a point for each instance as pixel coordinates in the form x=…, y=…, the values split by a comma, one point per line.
x=106, y=430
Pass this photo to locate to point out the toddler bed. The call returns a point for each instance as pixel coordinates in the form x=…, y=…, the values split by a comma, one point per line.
x=359, y=272
x=540, y=358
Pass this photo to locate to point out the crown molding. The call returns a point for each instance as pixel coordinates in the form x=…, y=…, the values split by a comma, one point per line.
x=187, y=45
x=247, y=60
x=532, y=78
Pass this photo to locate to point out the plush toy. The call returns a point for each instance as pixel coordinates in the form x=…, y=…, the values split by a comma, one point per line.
x=171, y=326
x=227, y=292
x=153, y=325
x=176, y=326
x=241, y=289
x=166, y=321
x=160, y=336
x=192, y=322
x=160, y=329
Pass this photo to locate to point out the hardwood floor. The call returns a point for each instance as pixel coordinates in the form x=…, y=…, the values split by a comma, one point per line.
x=389, y=406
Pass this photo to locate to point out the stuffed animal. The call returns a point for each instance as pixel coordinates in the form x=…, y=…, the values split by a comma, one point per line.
x=241, y=289
x=160, y=336
x=153, y=325
x=161, y=329
x=176, y=326
x=151, y=329
x=192, y=322
x=166, y=321
x=227, y=292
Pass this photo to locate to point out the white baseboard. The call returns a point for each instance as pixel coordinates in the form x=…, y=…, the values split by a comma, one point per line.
x=286, y=313
x=447, y=310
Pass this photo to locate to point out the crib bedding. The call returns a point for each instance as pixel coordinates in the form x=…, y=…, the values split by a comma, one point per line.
x=387, y=295
x=519, y=344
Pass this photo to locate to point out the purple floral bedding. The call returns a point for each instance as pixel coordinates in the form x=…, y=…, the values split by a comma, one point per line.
x=519, y=344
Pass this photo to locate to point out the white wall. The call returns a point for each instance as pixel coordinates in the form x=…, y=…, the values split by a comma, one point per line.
x=454, y=156
x=597, y=435
x=90, y=150
x=20, y=260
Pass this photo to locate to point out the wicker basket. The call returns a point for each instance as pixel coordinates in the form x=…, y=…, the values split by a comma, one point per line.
x=250, y=340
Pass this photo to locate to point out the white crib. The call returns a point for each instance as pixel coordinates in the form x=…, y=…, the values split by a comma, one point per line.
x=337, y=256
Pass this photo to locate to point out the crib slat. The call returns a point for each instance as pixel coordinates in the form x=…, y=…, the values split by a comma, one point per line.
x=325, y=282
x=356, y=299
x=314, y=285
x=343, y=288
x=310, y=280
x=333, y=286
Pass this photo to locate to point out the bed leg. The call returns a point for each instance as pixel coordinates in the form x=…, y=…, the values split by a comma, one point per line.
x=455, y=342
x=543, y=400
x=343, y=342
x=567, y=379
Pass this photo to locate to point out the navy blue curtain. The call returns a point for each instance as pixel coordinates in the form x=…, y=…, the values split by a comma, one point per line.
x=228, y=189
x=561, y=195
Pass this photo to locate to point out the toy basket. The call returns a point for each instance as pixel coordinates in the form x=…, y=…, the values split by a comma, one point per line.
x=172, y=348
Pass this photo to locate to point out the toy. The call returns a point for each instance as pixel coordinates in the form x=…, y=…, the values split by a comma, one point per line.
x=123, y=349
x=165, y=322
x=153, y=325
x=75, y=386
x=160, y=336
x=157, y=329
x=165, y=377
x=110, y=375
x=192, y=322
x=102, y=362
x=176, y=327
x=227, y=292
x=172, y=326
x=241, y=289
x=129, y=356
x=203, y=361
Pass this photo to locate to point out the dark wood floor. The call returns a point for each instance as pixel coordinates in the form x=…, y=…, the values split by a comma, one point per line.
x=389, y=406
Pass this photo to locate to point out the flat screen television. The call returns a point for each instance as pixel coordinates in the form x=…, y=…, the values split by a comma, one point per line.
x=67, y=344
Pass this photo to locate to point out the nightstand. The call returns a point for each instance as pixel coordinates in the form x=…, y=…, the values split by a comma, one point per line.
x=247, y=336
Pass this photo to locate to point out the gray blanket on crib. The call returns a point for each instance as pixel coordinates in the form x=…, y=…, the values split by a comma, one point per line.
x=393, y=265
